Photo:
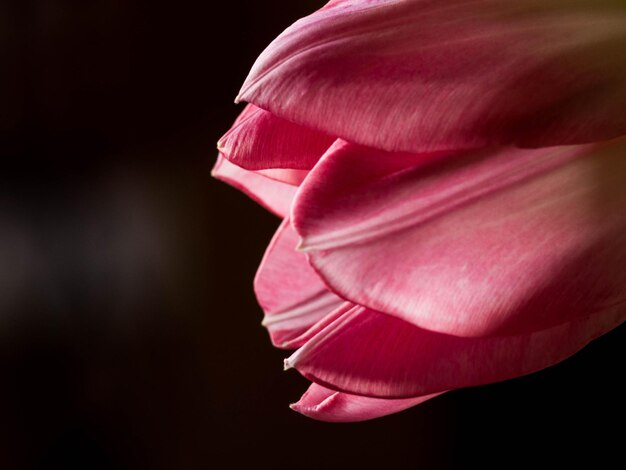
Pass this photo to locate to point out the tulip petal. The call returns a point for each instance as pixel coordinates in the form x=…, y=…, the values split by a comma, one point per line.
x=324, y=404
x=292, y=177
x=498, y=242
x=422, y=75
x=292, y=296
x=365, y=352
x=274, y=195
x=298, y=335
x=259, y=140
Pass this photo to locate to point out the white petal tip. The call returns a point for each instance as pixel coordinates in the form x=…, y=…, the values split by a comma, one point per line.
x=287, y=364
x=302, y=248
x=237, y=99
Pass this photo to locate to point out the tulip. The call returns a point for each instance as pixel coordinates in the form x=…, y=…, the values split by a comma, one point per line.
x=452, y=182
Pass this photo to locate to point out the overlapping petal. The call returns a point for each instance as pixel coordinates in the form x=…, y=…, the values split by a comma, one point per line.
x=423, y=75
x=454, y=177
x=325, y=404
x=259, y=140
x=292, y=296
x=271, y=193
x=498, y=242
x=365, y=352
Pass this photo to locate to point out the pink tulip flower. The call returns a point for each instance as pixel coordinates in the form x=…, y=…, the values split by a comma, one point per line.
x=452, y=180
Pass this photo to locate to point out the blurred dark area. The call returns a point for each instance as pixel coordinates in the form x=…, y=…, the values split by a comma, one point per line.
x=129, y=334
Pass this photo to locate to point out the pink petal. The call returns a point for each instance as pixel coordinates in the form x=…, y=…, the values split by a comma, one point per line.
x=259, y=140
x=424, y=75
x=274, y=195
x=324, y=404
x=292, y=296
x=499, y=242
x=369, y=353
x=293, y=177
x=296, y=337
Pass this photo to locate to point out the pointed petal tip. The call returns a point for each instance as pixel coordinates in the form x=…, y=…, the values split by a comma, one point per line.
x=292, y=361
x=274, y=195
x=307, y=410
x=316, y=243
x=302, y=247
x=222, y=144
x=216, y=168
x=304, y=410
x=237, y=99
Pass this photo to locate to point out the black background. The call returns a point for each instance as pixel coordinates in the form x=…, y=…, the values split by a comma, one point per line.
x=129, y=334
